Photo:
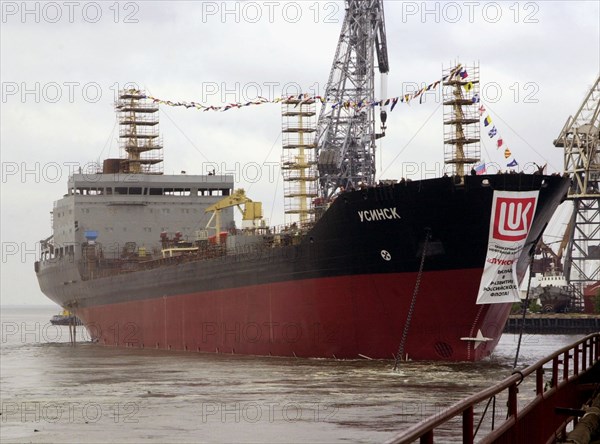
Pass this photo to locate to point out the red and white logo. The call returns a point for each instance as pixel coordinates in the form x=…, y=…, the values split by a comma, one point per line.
x=513, y=217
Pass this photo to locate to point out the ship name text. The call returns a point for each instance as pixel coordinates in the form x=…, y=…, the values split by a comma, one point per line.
x=378, y=214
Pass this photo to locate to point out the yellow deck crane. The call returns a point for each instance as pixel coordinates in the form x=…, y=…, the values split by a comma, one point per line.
x=251, y=214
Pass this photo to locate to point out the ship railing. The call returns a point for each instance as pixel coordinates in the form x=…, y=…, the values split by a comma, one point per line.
x=273, y=230
x=100, y=267
x=566, y=366
x=97, y=268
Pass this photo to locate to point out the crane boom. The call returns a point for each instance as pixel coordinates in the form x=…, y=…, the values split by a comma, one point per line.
x=346, y=135
x=237, y=198
x=252, y=211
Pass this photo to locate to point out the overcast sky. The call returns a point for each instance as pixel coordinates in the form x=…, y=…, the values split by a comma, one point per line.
x=61, y=65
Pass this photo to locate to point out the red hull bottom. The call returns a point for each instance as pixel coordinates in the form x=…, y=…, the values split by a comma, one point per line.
x=342, y=317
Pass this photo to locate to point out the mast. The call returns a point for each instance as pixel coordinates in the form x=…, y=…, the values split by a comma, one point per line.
x=346, y=134
x=461, y=119
x=139, y=134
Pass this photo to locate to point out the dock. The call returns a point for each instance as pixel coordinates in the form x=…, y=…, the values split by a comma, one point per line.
x=554, y=324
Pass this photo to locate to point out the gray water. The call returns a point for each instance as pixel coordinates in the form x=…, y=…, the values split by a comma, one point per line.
x=53, y=392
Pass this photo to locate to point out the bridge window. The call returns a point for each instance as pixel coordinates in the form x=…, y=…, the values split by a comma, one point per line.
x=177, y=192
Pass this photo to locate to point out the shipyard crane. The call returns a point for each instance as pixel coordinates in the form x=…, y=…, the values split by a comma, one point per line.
x=346, y=134
x=580, y=139
x=548, y=253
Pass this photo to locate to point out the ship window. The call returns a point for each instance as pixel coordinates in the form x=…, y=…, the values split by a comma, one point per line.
x=156, y=191
x=166, y=210
x=135, y=190
x=93, y=191
x=109, y=190
x=148, y=229
x=201, y=192
x=120, y=190
x=177, y=191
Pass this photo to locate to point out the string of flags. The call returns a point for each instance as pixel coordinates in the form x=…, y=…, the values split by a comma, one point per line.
x=303, y=98
x=456, y=72
x=492, y=133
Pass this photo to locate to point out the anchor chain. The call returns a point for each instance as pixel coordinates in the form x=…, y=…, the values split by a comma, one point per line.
x=413, y=301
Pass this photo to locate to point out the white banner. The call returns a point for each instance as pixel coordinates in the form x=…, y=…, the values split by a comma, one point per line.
x=511, y=219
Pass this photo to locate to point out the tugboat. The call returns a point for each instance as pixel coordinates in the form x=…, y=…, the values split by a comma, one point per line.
x=65, y=318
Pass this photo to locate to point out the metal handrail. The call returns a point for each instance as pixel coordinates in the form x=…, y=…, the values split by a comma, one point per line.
x=424, y=429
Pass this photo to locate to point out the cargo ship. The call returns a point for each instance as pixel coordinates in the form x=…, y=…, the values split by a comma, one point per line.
x=371, y=269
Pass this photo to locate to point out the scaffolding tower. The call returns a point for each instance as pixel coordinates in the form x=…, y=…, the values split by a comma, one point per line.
x=461, y=119
x=298, y=162
x=580, y=139
x=139, y=135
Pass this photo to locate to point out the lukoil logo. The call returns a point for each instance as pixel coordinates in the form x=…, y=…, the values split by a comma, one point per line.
x=513, y=218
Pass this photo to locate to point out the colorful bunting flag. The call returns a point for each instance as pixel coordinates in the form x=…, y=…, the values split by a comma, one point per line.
x=499, y=142
x=479, y=170
x=469, y=86
x=303, y=98
x=476, y=98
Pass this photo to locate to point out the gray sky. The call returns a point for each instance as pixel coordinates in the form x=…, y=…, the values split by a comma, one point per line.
x=62, y=63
